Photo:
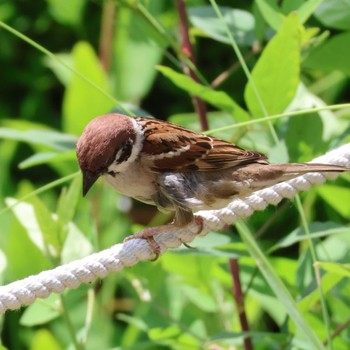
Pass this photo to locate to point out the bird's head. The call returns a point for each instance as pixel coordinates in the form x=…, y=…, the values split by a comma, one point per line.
x=106, y=146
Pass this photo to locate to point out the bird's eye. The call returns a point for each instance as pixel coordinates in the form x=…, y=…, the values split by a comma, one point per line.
x=125, y=152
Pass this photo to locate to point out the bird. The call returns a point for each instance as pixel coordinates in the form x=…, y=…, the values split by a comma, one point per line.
x=175, y=169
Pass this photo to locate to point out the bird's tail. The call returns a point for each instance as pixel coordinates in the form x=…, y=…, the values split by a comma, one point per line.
x=303, y=168
x=258, y=176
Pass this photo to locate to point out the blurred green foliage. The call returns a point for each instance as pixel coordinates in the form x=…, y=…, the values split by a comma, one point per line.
x=126, y=55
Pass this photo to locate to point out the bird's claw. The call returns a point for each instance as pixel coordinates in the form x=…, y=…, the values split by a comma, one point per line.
x=148, y=235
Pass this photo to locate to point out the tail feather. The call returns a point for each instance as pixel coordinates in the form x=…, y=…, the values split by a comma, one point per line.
x=256, y=176
x=303, y=168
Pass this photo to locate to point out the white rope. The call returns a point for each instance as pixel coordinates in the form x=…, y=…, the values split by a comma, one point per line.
x=72, y=275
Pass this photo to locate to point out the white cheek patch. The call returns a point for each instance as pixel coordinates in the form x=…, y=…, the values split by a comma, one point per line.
x=136, y=148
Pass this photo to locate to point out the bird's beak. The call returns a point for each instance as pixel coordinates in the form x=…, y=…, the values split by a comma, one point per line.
x=88, y=180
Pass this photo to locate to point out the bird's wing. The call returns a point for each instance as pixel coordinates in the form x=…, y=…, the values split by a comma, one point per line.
x=170, y=147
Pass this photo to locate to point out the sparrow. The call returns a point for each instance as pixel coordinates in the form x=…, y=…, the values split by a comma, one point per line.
x=174, y=168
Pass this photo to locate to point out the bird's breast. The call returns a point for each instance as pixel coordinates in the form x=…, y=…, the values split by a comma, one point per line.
x=134, y=182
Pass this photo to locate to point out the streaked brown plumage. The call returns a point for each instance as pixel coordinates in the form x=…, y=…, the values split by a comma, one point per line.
x=174, y=168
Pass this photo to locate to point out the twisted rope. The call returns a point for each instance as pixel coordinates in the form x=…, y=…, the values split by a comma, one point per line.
x=115, y=258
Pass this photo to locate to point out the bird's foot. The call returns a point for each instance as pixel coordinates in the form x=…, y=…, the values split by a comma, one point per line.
x=149, y=233
x=198, y=220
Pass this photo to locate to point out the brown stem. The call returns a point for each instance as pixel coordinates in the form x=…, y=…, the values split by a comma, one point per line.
x=239, y=299
x=338, y=330
x=186, y=48
x=225, y=74
x=106, y=35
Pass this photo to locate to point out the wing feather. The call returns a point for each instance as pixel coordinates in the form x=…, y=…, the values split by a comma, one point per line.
x=170, y=147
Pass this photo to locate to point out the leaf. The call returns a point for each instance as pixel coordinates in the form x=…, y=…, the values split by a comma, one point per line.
x=53, y=139
x=63, y=74
x=339, y=269
x=308, y=8
x=41, y=312
x=241, y=24
x=67, y=205
x=334, y=14
x=317, y=230
x=200, y=298
x=76, y=245
x=304, y=138
x=328, y=281
x=218, y=99
x=47, y=224
x=331, y=125
x=47, y=158
x=278, y=287
x=81, y=101
x=332, y=55
x=66, y=11
x=136, y=38
x=40, y=230
x=215, y=119
x=278, y=153
x=270, y=12
x=337, y=197
x=44, y=339
x=276, y=74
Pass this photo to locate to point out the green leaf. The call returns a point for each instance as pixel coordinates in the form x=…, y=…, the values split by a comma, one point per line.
x=48, y=225
x=339, y=269
x=203, y=300
x=332, y=55
x=218, y=99
x=53, y=139
x=304, y=138
x=41, y=312
x=67, y=205
x=44, y=339
x=278, y=287
x=328, y=281
x=135, y=39
x=241, y=24
x=334, y=14
x=37, y=221
x=67, y=211
x=332, y=126
x=63, y=74
x=81, y=101
x=215, y=119
x=76, y=245
x=47, y=158
x=308, y=8
x=276, y=74
x=66, y=11
x=317, y=230
x=305, y=9
x=270, y=12
x=337, y=197
x=157, y=334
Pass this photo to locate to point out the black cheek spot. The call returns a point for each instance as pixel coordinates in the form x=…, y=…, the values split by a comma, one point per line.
x=126, y=152
x=112, y=173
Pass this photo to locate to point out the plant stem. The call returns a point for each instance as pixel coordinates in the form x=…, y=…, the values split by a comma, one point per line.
x=107, y=33
x=186, y=49
x=71, y=330
x=226, y=73
x=239, y=299
x=338, y=330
